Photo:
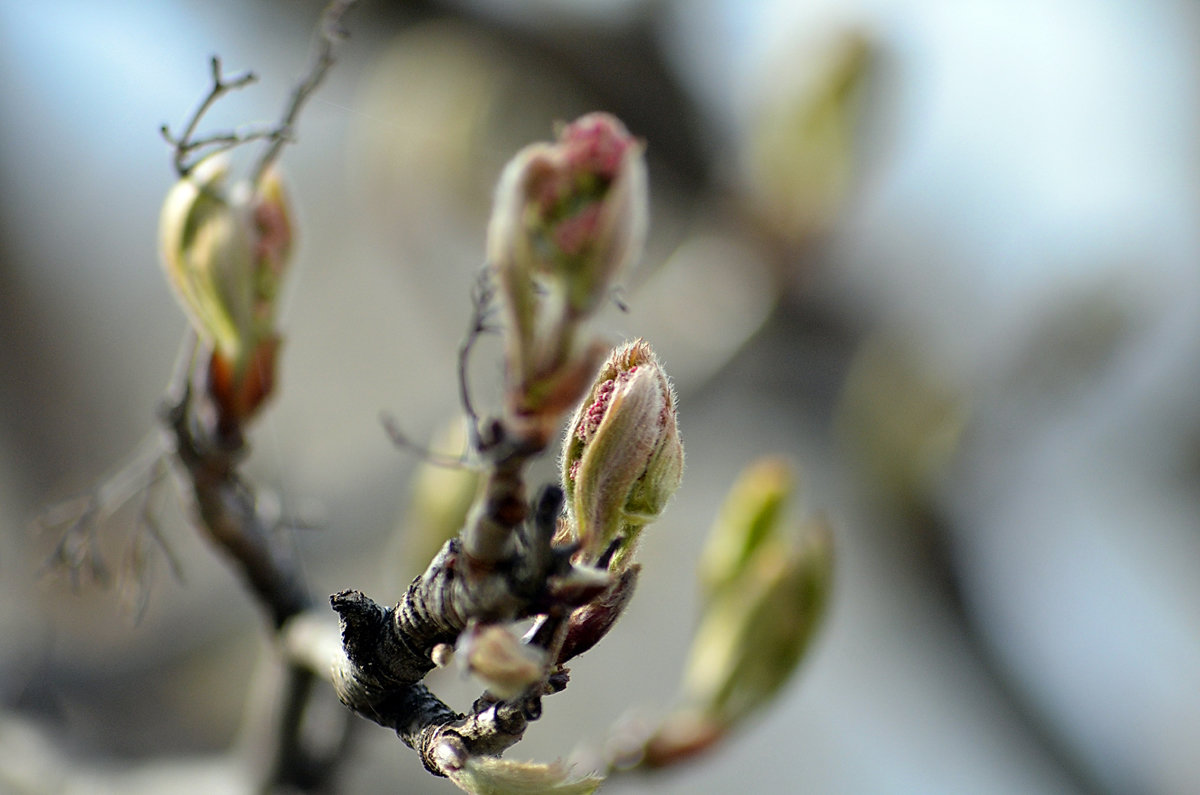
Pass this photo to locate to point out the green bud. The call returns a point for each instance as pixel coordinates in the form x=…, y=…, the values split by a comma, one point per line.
x=749, y=517
x=754, y=632
x=800, y=154
x=622, y=457
x=225, y=253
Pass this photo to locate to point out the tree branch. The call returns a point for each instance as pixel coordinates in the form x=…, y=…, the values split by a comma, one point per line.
x=225, y=506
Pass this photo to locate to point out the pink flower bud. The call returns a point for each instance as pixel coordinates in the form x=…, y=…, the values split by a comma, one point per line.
x=622, y=458
x=571, y=214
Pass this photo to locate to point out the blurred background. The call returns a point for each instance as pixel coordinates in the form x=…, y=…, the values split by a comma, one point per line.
x=943, y=255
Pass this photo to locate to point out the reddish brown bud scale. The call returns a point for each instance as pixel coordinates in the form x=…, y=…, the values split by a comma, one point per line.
x=239, y=396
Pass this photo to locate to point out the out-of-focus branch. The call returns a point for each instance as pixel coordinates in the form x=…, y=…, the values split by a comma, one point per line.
x=186, y=145
x=226, y=510
x=189, y=151
x=330, y=32
x=225, y=254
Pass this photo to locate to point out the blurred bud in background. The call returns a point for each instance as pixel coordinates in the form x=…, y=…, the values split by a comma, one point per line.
x=750, y=516
x=622, y=457
x=900, y=423
x=225, y=251
x=799, y=155
x=755, y=631
x=207, y=253
x=765, y=586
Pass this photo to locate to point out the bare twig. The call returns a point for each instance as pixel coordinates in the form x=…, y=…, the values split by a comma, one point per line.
x=331, y=33
x=185, y=145
x=81, y=519
x=148, y=531
x=429, y=456
x=483, y=308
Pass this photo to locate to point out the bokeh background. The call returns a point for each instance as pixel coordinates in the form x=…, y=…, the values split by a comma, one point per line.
x=943, y=255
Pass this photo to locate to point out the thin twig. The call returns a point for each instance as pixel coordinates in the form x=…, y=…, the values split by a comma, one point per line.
x=429, y=456
x=331, y=34
x=184, y=145
x=80, y=519
x=483, y=308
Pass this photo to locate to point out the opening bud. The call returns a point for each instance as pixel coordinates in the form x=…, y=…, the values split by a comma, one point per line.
x=207, y=252
x=622, y=456
x=490, y=775
x=568, y=215
x=225, y=252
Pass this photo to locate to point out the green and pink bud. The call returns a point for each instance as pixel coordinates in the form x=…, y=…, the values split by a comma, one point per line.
x=622, y=457
x=568, y=216
x=208, y=255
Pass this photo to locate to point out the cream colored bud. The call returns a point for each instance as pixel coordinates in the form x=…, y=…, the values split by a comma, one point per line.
x=622, y=457
x=206, y=247
x=490, y=775
x=225, y=251
x=497, y=656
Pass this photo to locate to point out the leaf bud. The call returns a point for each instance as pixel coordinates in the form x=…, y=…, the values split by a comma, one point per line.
x=225, y=252
x=490, y=775
x=755, y=631
x=575, y=210
x=749, y=517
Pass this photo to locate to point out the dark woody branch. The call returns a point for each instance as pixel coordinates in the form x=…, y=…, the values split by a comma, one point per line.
x=389, y=650
x=491, y=728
